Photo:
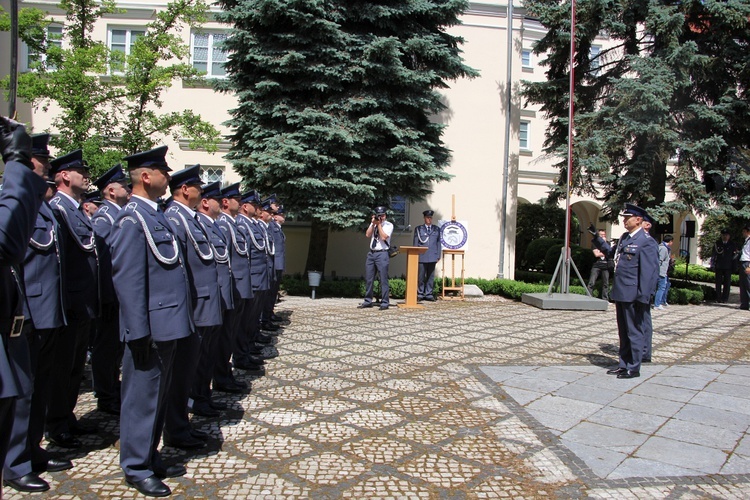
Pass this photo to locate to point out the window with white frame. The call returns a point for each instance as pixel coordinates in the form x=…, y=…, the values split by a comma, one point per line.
x=212, y=174
x=397, y=212
x=523, y=135
x=207, y=53
x=595, y=60
x=33, y=59
x=120, y=41
x=526, y=58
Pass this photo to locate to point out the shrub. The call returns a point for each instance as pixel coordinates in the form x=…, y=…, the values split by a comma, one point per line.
x=537, y=250
x=582, y=257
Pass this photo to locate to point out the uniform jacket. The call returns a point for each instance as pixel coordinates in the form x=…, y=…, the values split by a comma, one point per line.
x=42, y=272
x=431, y=240
x=20, y=199
x=149, y=276
x=80, y=267
x=102, y=220
x=256, y=244
x=201, y=264
x=637, y=268
x=221, y=256
x=238, y=256
x=724, y=255
x=279, y=243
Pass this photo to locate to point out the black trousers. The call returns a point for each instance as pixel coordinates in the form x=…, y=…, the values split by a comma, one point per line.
x=177, y=421
x=201, y=390
x=106, y=356
x=723, y=284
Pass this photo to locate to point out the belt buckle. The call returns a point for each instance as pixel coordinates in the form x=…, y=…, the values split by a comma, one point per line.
x=17, y=326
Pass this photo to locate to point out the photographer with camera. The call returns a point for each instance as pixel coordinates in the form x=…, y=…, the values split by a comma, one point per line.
x=379, y=232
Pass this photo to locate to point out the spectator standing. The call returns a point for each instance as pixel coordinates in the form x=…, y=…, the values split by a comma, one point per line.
x=665, y=251
x=745, y=269
x=725, y=251
x=600, y=268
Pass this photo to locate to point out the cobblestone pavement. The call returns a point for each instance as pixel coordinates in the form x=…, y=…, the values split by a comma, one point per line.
x=403, y=404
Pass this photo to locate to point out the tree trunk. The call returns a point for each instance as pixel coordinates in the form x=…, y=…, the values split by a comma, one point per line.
x=318, y=247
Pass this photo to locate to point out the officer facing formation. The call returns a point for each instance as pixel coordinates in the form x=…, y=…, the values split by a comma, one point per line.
x=636, y=273
x=427, y=235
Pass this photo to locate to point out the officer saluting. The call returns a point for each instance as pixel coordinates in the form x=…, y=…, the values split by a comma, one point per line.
x=636, y=272
x=427, y=235
x=155, y=312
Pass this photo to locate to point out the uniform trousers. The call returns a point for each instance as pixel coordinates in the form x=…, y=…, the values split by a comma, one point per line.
x=18, y=459
x=376, y=263
x=106, y=356
x=426, y=280
x=66, y=375
x=630, y=323
x=201, y=390
x=7, y=410
x=723, y=284
x=177, y=421
x=144, y=397
x=273, y=294
x=227, y=338
x=744, y=286
x=648, y=333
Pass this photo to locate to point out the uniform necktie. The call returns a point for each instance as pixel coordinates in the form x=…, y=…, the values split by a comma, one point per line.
x=374, y=239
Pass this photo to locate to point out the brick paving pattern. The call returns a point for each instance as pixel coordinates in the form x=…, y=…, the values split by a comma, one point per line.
x=401, y=404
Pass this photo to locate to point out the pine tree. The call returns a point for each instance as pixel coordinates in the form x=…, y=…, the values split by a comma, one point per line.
x=664, y=108
x=338, y=103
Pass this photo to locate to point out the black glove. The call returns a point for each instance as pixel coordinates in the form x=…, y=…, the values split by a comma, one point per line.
x=141, y=351
x=592, y=229
x=15, y=143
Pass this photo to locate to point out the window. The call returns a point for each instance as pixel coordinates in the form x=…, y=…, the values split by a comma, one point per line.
x=207, y=53
x=212, y=174
x=523, y=135
x=53, y=38
x=526, y=58
x=120, y=41
x=397, y=212
x=595, y=61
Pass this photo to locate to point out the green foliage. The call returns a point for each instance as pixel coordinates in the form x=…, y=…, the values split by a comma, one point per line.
x=672, y=85
x=711, y=232
x=534, y=221
x=536, y=251
x=109, y=104
x=683, y=292
x=582, y=257
x=338, y=101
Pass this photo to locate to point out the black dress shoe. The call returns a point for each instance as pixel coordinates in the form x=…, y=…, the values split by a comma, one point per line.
x=384, y=307
x=430, y=298
x=187, y=443
x=65, y=440
x=170, y=471
x=58, y=464
x=109, y=408
x=276, y=318
x=628, y=374
x=646, y=360
x=364, y=305
x=269, y=326
x=231, y=389
x=83, y=429
x=30, y=483
x=203, y=436
x=205, y=411
x=151, y=487
x=616, y=371
x=218, y=406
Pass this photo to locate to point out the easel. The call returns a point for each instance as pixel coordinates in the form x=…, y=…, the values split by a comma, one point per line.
x=453, y=287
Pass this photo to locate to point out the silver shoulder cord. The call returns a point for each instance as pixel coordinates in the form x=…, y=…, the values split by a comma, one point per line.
x=203, y=256
x=220, y=259
x=44, y=246
x=240, y=251
x=270, y=245
x=419, y=236
x=255, y=242
x=86, y=247
x=152, y=244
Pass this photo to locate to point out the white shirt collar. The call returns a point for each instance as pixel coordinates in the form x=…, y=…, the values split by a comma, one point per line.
x=150, y=203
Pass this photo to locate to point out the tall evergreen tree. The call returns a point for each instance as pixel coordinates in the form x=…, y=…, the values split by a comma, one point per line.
x=338, y=102
x=664, y=108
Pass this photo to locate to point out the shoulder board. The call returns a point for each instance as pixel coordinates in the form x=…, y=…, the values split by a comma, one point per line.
x=103, y=209
x=125, y=219
x=172, y=209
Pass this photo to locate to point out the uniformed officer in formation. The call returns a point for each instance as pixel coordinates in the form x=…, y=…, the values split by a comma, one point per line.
x=265, y=218
x=427, y=235
x=20, y=198
x=31, y=349
x=185, y=187
x=242, y=294
x=209, y=210
x=151, y=283
x=636, y=273
x=81, y=298
x=279, y=258
x=106, y=347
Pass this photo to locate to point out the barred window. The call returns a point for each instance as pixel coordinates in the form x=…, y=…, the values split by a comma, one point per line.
x=398, y=212
x=212, y=174
x=207, y=53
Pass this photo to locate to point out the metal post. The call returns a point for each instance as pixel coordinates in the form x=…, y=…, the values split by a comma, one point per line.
x=13, y=88
x=506, y=160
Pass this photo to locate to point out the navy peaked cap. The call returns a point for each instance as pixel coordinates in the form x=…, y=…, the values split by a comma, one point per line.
x=231, y=191
x=40, y=145
x=74, y=159
x=280, y=210
x=212, y=190
x=93, y=196
x=635, y=211
x=154, y=158
x=251, y=196
x=188, y=176
x=380, y=210
x=428, y=213
x=114, y=174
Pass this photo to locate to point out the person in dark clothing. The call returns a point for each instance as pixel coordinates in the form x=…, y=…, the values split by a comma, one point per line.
x=600, y=268
x=725, y=251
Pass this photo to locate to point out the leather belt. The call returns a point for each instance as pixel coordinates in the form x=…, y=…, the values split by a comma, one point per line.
x=13, y=325
x=375, y=251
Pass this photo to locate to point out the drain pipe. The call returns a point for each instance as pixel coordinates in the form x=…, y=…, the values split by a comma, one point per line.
x=509, y=83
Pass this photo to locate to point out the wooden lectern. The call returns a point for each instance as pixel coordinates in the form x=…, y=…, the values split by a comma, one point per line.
x=412, y=275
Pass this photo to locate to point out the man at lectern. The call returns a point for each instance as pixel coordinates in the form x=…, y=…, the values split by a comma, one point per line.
x=427, y=235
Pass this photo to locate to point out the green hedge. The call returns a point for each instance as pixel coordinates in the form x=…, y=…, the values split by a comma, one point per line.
x=537, y=251
x=699, y=273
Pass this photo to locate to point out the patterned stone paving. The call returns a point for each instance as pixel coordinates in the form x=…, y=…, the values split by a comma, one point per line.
x=403, y=410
